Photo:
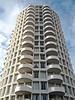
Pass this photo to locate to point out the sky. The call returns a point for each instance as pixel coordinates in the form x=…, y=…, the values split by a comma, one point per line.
x=9, y=9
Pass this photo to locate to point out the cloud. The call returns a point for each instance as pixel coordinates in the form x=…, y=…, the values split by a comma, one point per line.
x=2, y=38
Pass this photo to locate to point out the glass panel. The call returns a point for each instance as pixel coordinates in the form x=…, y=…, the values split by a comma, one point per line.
x=35, y=97
x=43, y=85
x=13, y=89
x=36, y=85
x=42, y=64
x=36, y=74
x=44, y=97
x=13, y=98
x=19, y=97
x=43, y=74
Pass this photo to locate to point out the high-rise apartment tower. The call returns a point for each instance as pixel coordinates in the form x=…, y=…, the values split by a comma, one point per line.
x=37, y=64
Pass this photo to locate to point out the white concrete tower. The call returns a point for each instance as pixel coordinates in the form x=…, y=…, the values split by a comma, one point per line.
x=37, y=64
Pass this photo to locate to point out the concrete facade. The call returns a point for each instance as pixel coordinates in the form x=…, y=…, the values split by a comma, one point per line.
x=37, y=64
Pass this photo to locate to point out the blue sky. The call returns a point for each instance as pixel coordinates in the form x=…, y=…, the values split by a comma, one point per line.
x=9, y=9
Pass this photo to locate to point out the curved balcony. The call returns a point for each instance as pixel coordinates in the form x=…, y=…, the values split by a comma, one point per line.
x=52, y=51
x=29, y=22
x=50, y=45
x=47, y=19
x=26, y=58
x=48, y=23
x=31, y=11
x=30, y=18
x=29, y=27
x=46, y=12
x=46, y=8
x=25, y=68
x=28, y=37
x=47, y=15
x=20, y=90
x=56, y=91
x=24, y=78
x=29, y=32
x=49, y=27
x=49, y=32
x=30, y=15
x=50, y=38
x=31, y=8
x=27, y=50
x=55, y=79
x=52, y=60
x=54, y=68
x=27, y=44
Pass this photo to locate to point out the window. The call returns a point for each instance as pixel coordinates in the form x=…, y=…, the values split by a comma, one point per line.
x=41, y=32
x=42, y=64
x=56, y=98
x=66, y=98
x=13, y=98
x=36, y=74
x=41, y=27
x=43, y=74
x=41, y=37
x=15, y=77
x=43, y=85
x=63, y=62
x=8, y=90
x=36, y=49
x=18, y=59
x=36, y=64
x=21, y=84
x=74, y=91
x=65, y=88
x=14, y=61
x=36, y=37
x=44, y=97
x=10, y=79
x=13, y=89
x=71, y=81
x=71, y=99
x=15, y=54
x=36, y=56
x=10, y=63
x=41, y=49
x=6, y=80
x=41, y=43
x=4, y=91
x=36, y=85
x=36, y=19
x=8, y=71
x=41, y=20
x=67, y=79
x=27, y=97
x=36, y=27
x=42, y=56
x=12, y=69
x=40, y=16
x=7, y=98
x=19, y=97
x=36, y=43
x=17, y=67
x=69, y=88
x=65, y=70
x=35, y=96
